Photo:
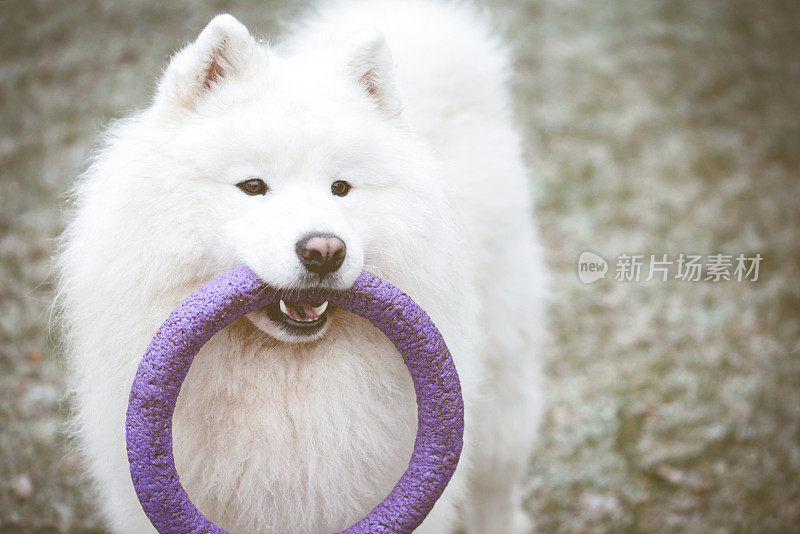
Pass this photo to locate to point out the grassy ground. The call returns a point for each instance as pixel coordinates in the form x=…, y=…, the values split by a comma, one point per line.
x=655, y=127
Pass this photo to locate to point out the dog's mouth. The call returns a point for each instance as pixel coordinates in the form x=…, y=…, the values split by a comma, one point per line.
x=299, y=318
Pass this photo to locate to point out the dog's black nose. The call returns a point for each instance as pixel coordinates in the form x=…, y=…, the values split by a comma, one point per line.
x=321, y=254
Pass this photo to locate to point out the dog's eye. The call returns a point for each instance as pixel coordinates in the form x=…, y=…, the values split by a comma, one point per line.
x=340, y=188
x=253, y=186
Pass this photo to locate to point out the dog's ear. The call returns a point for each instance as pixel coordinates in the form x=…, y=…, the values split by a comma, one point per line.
x=369, y=63
x=223, y=50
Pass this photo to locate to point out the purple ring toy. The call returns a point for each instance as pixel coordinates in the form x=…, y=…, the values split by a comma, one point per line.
x=230, y=296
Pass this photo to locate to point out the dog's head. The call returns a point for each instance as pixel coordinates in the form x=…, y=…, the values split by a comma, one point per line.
x=298, y=167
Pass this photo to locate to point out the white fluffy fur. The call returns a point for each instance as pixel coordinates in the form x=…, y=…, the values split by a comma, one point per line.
x=272, y=435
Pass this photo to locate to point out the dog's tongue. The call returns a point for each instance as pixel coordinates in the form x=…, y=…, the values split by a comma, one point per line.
x=300, y=311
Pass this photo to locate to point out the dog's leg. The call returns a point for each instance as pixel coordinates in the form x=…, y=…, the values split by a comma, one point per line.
x=496, y=507
x=507, y=418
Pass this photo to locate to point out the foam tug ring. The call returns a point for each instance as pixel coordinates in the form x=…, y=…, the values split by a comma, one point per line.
x=228, y=297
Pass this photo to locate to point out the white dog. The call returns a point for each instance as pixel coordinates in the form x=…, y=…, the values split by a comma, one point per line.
x=343, y=148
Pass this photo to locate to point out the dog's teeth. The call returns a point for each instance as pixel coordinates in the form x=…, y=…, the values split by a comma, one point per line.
x=283, y=308
x=319, y=310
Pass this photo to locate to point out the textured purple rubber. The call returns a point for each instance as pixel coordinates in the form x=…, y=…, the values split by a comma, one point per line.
x=230, y=296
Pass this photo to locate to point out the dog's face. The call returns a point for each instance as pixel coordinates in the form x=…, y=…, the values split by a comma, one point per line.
x=292, y=166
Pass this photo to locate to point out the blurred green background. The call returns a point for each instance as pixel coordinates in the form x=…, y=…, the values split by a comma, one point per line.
x=652, y=127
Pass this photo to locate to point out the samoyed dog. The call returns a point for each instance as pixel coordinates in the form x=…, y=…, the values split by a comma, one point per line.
x=375, y=136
